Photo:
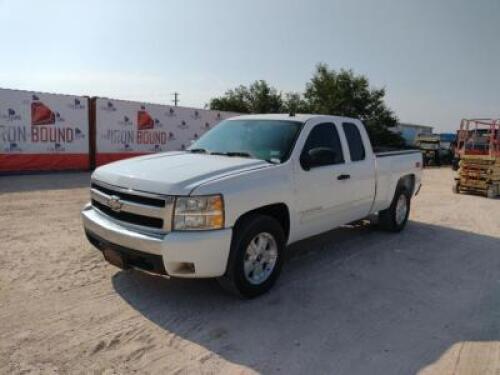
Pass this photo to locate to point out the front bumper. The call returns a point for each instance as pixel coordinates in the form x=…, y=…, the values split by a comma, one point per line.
x=184, y=254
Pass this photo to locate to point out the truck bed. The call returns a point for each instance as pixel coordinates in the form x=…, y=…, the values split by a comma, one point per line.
x=390, y=167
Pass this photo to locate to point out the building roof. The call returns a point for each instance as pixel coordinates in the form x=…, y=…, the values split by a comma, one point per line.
x=409, y=125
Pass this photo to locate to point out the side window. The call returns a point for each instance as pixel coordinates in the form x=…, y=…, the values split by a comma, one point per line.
x=353, y=136
x=322, y=147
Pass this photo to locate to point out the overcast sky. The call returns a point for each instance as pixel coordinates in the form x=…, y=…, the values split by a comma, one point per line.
x=438, y=60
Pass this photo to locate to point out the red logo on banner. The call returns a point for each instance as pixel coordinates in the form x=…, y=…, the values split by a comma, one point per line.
x=144, y=121
x=41, y=114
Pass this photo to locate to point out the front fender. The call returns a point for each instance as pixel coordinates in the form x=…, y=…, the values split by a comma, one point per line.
x=250, y=190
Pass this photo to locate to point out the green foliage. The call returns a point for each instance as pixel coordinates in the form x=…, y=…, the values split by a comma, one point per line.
x=259, y=97
x=345, y=94
x=234, y=100
x=328, y=92
x=295, y=103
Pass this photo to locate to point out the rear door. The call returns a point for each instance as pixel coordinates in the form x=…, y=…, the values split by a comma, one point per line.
x=361, y=166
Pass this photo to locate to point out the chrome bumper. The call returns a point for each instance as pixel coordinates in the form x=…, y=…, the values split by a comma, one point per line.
x=205, y=252
x=105, y=228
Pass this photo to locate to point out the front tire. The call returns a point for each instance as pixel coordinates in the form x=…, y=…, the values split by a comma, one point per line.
x=256, y=256
x=394, y=218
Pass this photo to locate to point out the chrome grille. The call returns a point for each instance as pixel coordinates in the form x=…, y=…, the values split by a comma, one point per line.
x=145, y=210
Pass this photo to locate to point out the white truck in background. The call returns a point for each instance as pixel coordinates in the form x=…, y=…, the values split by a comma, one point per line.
x=229, y=205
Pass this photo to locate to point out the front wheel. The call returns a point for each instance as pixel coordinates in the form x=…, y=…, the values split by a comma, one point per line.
x=256, y=256
x=395, y=217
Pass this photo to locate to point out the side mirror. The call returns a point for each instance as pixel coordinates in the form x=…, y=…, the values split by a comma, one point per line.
x=317, y=157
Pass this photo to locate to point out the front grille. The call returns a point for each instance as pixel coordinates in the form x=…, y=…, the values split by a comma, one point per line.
x=150, y=211
x=128, y=217
x=130, y=197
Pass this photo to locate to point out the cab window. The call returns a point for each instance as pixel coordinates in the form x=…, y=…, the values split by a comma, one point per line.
x=354, y=141
x=322, y=147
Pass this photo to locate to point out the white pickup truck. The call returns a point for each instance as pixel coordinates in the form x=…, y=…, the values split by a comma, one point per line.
x=229, y=205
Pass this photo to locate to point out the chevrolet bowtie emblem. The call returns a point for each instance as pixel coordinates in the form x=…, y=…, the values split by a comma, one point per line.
x=115, y=203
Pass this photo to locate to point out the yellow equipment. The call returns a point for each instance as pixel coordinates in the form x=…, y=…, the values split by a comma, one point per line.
x=479, y=171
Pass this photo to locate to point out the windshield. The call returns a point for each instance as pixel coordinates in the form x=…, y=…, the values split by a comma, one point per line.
x=270, y=140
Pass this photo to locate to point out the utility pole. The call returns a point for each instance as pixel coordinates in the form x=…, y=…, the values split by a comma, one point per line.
x=176, y=98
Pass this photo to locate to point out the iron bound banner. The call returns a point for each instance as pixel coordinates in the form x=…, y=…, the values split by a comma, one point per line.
x=125, y=129
x=43, y=132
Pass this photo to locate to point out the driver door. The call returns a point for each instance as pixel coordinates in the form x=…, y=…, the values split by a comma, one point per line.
x=322, y=191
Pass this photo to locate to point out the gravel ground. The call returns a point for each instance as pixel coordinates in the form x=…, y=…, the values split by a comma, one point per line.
x=352, y=301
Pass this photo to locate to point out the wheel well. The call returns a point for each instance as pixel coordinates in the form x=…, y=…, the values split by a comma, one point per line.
x=408, y=182
x=278, y=211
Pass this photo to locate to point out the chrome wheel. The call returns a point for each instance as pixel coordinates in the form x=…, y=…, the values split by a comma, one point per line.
x=401, y=209
x=260, y=258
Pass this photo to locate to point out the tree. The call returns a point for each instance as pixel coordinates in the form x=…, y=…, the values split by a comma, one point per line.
x=259, y=97
x=345, y=94
x=234, y=100
x=295, y=103
x=328, y=92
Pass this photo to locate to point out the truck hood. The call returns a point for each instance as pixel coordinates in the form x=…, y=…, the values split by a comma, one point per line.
x=173, y=173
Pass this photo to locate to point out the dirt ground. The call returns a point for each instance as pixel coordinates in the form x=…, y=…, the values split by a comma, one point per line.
x=352, y=301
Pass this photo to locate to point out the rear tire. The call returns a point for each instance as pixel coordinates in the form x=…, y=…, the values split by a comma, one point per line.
x=394, y=218
x=456, y=187
x=256, y=256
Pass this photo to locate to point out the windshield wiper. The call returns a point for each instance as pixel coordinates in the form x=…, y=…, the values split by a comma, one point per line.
x=198, y=150
x=233, y=153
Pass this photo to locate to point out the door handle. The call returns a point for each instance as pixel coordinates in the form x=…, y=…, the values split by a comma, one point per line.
x=343, y=177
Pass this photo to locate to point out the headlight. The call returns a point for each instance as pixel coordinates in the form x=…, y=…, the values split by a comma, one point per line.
x=199, y=213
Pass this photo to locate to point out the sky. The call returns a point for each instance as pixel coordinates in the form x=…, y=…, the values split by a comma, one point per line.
x=439, y=61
